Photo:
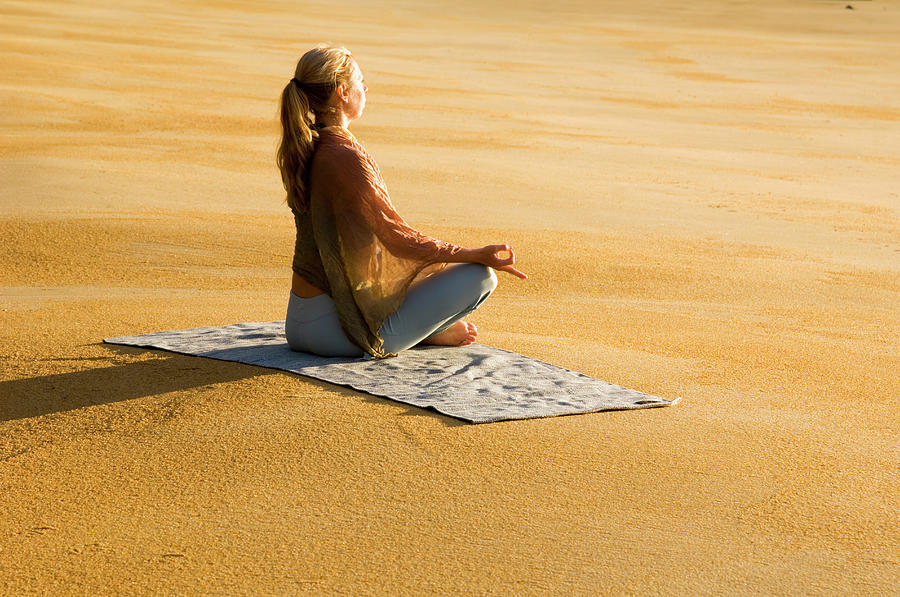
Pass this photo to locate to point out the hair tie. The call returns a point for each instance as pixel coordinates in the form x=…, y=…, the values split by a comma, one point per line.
x=296, y=82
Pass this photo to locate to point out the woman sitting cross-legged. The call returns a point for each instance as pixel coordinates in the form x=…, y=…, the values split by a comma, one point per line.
x=365, y=282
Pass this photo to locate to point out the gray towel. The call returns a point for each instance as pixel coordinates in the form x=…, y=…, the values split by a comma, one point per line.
x=476, y=383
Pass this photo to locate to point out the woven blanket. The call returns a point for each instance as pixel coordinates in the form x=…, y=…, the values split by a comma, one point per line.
x=475, y=383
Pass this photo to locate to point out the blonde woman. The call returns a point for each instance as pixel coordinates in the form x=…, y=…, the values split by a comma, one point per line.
x=365, y=283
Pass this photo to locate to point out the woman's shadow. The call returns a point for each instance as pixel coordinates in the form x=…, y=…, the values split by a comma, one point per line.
x=102, y=380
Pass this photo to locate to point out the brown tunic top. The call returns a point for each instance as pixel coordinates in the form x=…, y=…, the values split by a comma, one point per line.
x=353, y=244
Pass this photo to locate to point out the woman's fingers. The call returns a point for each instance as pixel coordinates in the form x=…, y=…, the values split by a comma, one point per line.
x=500, y=263
x=510, y=269
x=497, y=249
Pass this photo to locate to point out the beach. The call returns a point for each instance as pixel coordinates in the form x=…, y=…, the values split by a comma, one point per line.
x=704, y=196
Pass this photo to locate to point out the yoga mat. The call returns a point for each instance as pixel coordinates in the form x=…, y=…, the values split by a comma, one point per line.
x=475, y=383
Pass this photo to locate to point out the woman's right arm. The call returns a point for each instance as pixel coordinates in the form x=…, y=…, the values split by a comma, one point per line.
x=361, y=194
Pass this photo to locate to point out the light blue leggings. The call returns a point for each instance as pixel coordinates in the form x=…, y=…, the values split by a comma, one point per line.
x=430, y=306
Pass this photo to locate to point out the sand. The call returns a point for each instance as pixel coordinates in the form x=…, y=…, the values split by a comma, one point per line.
x=704, y=195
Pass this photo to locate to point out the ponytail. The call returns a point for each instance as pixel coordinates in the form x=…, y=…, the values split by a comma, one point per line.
x=297, y=143
x=316, y=77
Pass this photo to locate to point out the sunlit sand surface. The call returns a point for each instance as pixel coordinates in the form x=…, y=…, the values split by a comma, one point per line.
x=704, y=195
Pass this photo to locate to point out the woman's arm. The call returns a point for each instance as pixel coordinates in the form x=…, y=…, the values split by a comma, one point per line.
x=363, y=206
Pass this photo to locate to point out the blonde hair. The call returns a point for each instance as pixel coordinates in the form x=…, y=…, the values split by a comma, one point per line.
x=317, y=75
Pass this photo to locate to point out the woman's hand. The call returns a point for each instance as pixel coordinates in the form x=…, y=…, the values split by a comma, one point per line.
x=491, y=257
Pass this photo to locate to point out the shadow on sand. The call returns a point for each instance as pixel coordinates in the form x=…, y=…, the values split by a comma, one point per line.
x=98, y=384
x=36, y=396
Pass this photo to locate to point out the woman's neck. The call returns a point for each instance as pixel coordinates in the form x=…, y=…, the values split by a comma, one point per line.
x=340, y=119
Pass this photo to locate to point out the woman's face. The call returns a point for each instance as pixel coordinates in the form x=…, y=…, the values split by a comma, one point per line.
x=356, y=94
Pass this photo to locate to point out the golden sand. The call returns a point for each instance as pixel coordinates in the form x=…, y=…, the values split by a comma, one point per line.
x=704, y=195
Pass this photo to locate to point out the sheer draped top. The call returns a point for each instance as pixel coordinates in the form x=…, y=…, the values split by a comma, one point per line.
x=352, y=243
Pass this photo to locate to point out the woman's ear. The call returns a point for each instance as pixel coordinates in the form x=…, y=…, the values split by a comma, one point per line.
x=341, y=91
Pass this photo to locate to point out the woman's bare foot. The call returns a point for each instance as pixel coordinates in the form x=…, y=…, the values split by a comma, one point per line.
x=460, y=333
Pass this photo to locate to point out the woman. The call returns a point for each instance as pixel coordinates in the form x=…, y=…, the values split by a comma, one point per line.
x=365, y=283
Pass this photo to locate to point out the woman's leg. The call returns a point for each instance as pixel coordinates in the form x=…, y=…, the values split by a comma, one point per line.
x=431, y=306
x=436, y=303
x=312, y=325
